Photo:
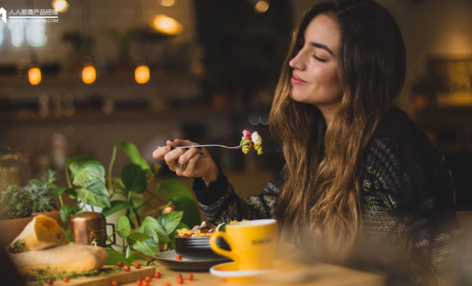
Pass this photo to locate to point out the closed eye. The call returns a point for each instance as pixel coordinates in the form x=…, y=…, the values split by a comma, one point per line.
x=319, y=59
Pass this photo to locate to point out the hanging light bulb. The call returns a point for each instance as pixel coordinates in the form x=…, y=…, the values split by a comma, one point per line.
x=167, y=3
x=262, y=6
x=167, y=25
x=34, y=76
x=60, y=5
x=141, y=74
x=89, y=74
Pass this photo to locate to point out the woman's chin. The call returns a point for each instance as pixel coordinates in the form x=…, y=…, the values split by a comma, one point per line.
x=296, y=97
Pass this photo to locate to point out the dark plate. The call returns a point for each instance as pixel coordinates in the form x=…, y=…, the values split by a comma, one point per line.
x=198, y=247
x=168, y=259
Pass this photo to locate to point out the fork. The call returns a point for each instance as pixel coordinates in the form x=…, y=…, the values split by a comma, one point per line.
x=211, y=145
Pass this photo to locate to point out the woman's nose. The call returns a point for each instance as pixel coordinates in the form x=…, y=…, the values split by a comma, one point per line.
x=297, y=62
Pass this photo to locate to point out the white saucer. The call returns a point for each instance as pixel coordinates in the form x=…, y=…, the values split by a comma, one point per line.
x=230, y=272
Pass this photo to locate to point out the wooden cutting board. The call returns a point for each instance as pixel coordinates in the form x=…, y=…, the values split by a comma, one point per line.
x=122, y=277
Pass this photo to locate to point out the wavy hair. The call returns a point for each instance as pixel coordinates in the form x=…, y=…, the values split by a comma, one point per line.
x=321, y=194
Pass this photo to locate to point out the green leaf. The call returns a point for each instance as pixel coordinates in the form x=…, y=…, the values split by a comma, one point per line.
x=157, y=227
x=135, y=236
x=147, y=247
x=123, y=226
x=94, y=193
x=133, y=153
x=170, y=220
x=222, y=228
x=170, y=188
x=116, y=206
x=182, y=225
x=58, y=191
x=137, y=202
x=75, y=163
x=67, y=231
x=147, y=229
x=187, y=205
x=114, y=257
x=134, y=178
x=134, y=256
x=65, y=212
x=90, y=170
x=127, y=251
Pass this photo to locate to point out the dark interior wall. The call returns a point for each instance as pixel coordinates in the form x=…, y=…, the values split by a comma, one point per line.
x=244, y=49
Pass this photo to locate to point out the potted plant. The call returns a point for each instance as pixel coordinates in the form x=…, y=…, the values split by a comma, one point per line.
x=16, y=207
x=89, y=184
x=40, y=191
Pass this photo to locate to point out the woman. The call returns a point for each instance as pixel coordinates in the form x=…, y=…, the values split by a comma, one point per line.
x=357, y=168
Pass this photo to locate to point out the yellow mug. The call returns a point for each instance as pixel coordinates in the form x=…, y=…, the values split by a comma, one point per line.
x=253, y=243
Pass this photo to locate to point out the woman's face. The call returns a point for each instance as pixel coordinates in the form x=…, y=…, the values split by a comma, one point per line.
x=315, y=68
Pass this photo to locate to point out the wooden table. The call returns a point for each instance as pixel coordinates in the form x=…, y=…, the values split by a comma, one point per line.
x=320, y=274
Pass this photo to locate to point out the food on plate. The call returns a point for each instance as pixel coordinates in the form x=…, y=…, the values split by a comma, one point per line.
x=42, y=232
x=56, y=260
x=196, y=231
x=254, y=140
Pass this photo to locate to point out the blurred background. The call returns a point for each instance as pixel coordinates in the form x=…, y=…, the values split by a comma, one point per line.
x=150, y=70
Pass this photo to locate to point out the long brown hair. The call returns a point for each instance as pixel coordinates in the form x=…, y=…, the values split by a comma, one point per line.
x=321, y=193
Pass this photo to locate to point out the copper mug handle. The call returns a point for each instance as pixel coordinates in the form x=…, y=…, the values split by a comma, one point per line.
x=114, y=233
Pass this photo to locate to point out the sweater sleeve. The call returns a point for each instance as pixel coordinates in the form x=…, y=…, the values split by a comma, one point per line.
x=219, y=202
x=417, y=185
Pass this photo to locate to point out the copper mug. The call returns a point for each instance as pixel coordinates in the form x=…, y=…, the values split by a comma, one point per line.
x=90, y=228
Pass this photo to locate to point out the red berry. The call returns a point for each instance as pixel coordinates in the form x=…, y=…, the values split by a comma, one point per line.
x=180, y=281
x=114, y=283
x=137, y=265
x=126, y=268
x=179, y=276
x=167, y=284
x=120, y=264
x=190, y=277
x=148, y=278
x=139, y=282
x=178, y=257
x=50, y=281
x=157, y=275
x=66, y=279
x=145, y=283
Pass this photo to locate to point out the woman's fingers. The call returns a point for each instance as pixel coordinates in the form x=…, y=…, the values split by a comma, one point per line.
x=184, y=159
x=181, y=156
x=159, y=153
x=172, y=157
x=191, y=170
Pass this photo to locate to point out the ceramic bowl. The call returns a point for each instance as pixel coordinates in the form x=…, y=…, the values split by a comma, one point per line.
x=198, y=247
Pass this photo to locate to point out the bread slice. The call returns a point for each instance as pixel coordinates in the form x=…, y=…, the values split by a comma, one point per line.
x=68, y=258
x=42, y=232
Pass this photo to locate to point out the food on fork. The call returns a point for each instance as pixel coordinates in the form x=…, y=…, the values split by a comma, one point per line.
x=254, y=140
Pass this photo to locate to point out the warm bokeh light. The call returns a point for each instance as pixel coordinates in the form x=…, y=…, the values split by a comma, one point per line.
x=262, y=6
x=34, y=76
x=141, y=74
x=167, y=3
x=60, y=5
x=88, y=74
x=167, y=25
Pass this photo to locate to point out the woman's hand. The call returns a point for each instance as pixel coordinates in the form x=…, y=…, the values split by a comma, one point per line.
x=194, y=162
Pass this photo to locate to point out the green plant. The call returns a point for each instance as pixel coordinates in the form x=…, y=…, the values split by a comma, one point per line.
x=15, y=203
x=40, y=191
x=88, y=184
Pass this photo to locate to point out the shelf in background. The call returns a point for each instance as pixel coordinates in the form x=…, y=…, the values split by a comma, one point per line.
x=32, y=117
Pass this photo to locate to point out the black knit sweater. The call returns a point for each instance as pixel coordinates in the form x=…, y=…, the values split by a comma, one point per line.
x=408, y=200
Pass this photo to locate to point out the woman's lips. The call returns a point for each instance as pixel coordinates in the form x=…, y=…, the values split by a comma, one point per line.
x=295, y=80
